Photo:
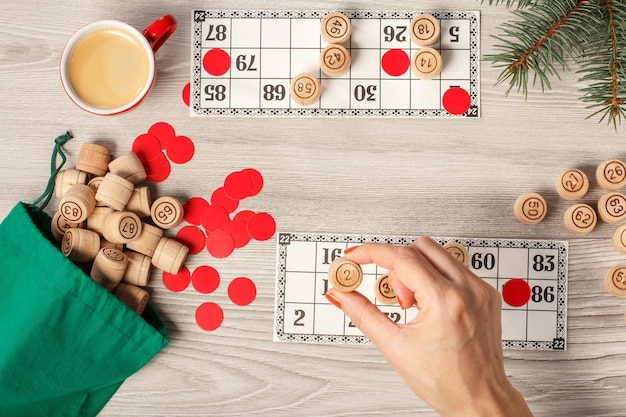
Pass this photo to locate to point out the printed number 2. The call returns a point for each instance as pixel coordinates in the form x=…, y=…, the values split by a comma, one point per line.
x=300, y=316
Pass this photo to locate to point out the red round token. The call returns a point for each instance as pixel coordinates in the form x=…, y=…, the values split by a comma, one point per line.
x=395, y=62
x=163, y=131
x=158, y=169
x=209, y=316
x=214, y=217
x=257, y=180
x=177, y=282
x=220, y=198
x=194, y=210
x=205, y=279
x=238, y=229
x=216, y=62
x=186, y=93
x=220, y=244
x=238, y=185
x=244, y=215
x=516, y=292
x=192, y=237
x=242, y=291
x=147, y=147
x=261, y=226
x=456, y=101
x=180, y=150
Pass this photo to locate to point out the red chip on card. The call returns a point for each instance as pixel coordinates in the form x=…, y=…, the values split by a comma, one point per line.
x=242, y=291
x=157, y=169
x=194, y=210
x=257, y=180
x=163, y=131
x=205, y=279
x=238, y=185
x=261, y=226
x=177, y=282
x=220, y=198
x=180, y=149
x=146, y=147
x=220, y=244
x=209, y=316
x=192, y=237
x=186, y=93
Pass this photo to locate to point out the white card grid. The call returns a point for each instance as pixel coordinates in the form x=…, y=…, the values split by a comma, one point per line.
x=303, y=314
x=268, y=48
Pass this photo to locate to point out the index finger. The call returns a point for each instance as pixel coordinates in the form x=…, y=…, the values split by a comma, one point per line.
x=408, y=263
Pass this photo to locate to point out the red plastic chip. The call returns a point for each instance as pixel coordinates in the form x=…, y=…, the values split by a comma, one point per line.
x=261, y=226
x=205, y=279
x=209, y=316
x=180, y=149
x=238, y=229
x=192, y=237
x=242, y=291
x=456, y=101
x=220, y=244
x=244, y=215
x=516, y=292
x=238, y=185
x=257, y=180
x=158, y=169
x=147, y=147
x=163, y=131
x=220, y=198
x=214, y=217
x=186, y=93
x=195, y=209
x=177, y=282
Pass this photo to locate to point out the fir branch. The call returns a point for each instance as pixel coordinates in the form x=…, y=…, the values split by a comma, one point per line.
x=605, y=67
x=520, y=4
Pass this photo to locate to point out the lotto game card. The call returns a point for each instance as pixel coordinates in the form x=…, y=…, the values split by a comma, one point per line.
x=532, y=272
x=243, y=63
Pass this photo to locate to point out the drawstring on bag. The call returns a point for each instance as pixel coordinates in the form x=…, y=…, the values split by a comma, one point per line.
x=54, y=170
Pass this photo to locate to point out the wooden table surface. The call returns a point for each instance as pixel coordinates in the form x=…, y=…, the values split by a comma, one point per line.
x=456, y=177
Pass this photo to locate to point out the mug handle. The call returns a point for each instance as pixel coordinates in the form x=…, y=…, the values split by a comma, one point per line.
x=158, y=31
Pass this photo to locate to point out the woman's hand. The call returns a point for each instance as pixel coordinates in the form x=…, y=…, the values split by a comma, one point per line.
x=451, y=353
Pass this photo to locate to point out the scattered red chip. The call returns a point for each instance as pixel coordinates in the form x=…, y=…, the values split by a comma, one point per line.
x=220, y=198
x=186, y=93
x=456, y=101
x=209, y=316
x=163, y=131
x=516, y=292
x=158, y=169
x=238, y=229
x=257, y=180
x=177, y=282
x=194, y=210
x=261, y=226
x=180, y=149
x=238, y=185
x=241, y=291
x=244, y=215
x=214, y=217
x=220, y=244
x=147, y=147
x=192, y=237
x=205, y=279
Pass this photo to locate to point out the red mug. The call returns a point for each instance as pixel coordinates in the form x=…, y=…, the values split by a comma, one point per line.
x=108, y=67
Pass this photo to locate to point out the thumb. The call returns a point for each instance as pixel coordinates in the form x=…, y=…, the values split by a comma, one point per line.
x=374, y=324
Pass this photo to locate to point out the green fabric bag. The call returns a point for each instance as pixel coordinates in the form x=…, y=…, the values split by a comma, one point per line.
x=66, y=343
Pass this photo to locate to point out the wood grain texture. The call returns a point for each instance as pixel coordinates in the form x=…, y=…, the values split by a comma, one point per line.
x=374, y=176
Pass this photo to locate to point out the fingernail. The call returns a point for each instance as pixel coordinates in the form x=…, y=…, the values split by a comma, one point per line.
x=330, y=296
x=400, y=303
x=349, y=249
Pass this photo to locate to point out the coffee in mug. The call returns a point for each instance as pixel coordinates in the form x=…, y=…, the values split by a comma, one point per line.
x=108, y=67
